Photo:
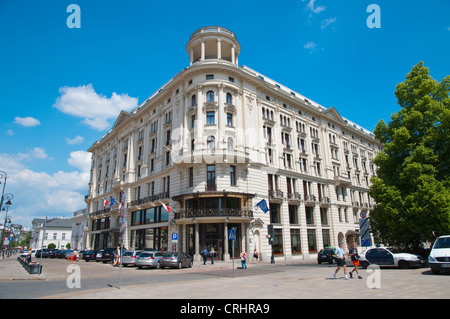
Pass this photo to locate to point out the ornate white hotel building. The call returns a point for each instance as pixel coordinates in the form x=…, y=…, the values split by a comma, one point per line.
x=214, y=141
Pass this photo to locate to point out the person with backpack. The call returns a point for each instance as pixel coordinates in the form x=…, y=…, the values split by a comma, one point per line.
x=244, y=260
x=204, y=255
x=353, y=253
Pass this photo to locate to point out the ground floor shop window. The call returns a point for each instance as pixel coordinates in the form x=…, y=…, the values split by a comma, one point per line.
x=326, y=238
x=149, y=239
x=295, y=241
x=277, y=242
x=312, y=244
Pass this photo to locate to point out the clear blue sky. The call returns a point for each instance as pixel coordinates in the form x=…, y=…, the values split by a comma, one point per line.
x=322, y=49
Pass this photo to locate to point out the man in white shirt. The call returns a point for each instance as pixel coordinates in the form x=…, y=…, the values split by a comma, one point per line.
x=339, y=255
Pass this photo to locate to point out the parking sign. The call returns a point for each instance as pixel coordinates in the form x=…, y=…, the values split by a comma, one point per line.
x=174, y=237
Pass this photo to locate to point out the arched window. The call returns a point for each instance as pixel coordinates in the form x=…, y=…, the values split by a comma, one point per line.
x=230, y=144
x=229, y=99
x=211, y=143
x=210, y=96
x=194, y=100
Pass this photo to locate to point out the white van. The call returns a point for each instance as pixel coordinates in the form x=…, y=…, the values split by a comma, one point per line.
x=439, y=258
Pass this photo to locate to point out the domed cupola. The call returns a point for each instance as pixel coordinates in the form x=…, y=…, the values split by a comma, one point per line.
x=213, y=44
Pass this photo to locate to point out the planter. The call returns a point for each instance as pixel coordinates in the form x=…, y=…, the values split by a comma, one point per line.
x=33, y=269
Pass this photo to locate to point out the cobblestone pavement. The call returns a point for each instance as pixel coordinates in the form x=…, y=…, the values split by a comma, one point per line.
x=283, y=280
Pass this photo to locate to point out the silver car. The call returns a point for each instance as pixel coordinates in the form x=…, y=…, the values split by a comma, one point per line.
x=129, y=257
x=150, y=259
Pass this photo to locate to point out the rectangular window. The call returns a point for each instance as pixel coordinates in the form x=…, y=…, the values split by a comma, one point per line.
x=295, y=241
x=277, y=242
x=312, y=244
x=210, y=76
x=211, y=176
x=324, y=216
x=293, y=219
x=229, y=119
x=232, y=175
x=191, y=177
x=309, y=215
x=210, y=118
x=275, y=214
x=326, y=238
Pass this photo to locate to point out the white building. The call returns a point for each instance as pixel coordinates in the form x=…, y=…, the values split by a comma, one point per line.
x=58, y=231
x=214, y=141
x=79, y=229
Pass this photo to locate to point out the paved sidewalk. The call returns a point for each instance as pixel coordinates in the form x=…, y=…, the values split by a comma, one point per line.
x=287, y=281
x=11, y=269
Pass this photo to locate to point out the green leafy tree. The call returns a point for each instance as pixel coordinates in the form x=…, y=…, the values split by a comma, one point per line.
x=412, y=184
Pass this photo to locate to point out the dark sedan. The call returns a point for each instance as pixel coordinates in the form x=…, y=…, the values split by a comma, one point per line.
x=175, y=260
x=89, y=255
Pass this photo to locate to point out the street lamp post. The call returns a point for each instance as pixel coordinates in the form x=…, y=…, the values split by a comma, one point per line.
x=7, y=204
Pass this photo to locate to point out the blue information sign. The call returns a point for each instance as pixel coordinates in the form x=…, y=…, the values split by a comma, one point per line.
x=231, y=234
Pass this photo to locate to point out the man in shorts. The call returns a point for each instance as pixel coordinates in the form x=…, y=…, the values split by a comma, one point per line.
x=353, y=253
x=340, y=259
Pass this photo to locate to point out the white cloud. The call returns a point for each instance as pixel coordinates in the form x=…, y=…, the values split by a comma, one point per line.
x=38, y=193
x=76, y=140
x=26, y=121
x=327, y=22
x=311, y=7
x=310, y=46
x=10, y=132
x=97, y=110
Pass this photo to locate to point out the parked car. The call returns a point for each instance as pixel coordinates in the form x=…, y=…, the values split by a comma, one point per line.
x=129, y=257
x=62, y=253
x=150, y=259
x=326, y=255
x=99, y=255
x=107, y=255
x=39, y=252
x=68, y=253
x=386, y=256
x=89, y=255
x=54, y=253
x=47, y=252
x=439, y=258
x=176, y=260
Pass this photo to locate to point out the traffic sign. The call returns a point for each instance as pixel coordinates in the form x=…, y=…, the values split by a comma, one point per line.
x=362, y=214
x=364, y=231
x=174, y=237
x=232, y=234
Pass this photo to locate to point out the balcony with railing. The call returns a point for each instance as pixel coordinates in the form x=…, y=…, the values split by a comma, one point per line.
x=214, y=212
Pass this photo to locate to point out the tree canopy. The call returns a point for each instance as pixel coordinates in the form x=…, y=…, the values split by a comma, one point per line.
x=411, y=188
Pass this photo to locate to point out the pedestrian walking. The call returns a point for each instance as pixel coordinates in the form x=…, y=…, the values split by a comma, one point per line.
x=255, y=256
x=353, y=253
x=212, y=253
x=204, y=255
x=75, y=256
x=244, y=260
x=339, y=254
x=116, y=261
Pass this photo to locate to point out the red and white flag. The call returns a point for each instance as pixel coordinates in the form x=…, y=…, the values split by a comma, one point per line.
x=105, y=202
x=166, y=207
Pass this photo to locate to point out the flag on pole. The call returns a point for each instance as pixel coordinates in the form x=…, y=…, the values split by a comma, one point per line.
x=166, y=207
x=263, y=205
x=105, y=202
x=112, y=201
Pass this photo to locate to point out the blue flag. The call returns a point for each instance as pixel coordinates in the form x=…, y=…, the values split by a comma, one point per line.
x=112, y=201
x=263, y=205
